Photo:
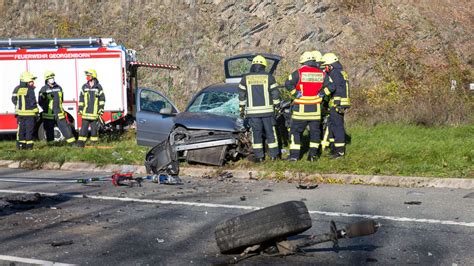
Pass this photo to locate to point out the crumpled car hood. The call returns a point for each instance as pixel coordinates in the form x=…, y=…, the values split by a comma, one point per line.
x=209, y=121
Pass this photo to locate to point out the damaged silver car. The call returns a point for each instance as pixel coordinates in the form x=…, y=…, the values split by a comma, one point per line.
x=209, y=131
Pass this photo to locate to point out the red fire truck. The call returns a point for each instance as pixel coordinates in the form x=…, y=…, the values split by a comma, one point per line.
x=116, y=68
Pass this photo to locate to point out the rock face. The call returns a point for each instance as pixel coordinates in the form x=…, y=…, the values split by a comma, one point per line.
x=373, y=39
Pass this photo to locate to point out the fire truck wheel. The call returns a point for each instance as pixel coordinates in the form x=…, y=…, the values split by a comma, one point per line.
x=271, y=223
x=58, y=136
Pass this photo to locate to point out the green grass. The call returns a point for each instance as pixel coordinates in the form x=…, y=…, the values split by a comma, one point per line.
x=381, y=150
x=396, y=150
x=116, y=150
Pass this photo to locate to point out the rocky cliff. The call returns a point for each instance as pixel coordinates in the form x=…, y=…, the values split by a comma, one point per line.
x=393, y=50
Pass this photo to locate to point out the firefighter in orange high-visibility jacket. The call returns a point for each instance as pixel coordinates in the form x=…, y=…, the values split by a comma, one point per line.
x=26, y=110
x=305, y=84
x=91, y=107
x=338, y=104
x=51, y=101
x=257, y=96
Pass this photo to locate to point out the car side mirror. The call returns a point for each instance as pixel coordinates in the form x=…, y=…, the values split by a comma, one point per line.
x=166, y=111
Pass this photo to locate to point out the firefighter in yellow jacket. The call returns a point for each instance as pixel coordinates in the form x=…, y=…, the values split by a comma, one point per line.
x=91, y=107
x=257, y=96
x=51, y=101
x=339, y=103
x=26, y=110
x=305, y=84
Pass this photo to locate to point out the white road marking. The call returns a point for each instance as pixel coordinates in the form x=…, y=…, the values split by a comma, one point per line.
x=241, y=207
x=32, y=261
x=13, y=180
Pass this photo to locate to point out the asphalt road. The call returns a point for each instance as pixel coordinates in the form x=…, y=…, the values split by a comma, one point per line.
x=101, y=225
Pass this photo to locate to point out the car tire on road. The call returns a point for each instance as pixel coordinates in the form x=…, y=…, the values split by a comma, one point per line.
x=278, y=221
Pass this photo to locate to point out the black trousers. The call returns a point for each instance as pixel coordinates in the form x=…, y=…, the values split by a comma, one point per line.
x=337, y=131
x=86, y=123
x=263, y=126
x=26, y=128
x=63, y=127
x=296, y=131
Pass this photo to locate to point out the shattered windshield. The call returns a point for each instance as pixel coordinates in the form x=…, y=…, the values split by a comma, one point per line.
x=216, y=102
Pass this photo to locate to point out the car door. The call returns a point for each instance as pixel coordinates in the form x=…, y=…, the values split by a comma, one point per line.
x=235, y=67
x=155, y=115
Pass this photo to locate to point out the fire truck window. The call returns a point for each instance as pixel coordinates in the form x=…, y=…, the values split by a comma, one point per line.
x=151, y=101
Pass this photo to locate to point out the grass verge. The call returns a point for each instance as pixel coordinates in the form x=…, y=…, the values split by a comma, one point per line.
x=388, y=149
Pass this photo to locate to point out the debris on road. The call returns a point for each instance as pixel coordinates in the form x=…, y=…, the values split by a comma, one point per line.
x=23, y=198
x=265, y=231
x=224, y=175
x=160, y=240
x=412, y=202
x=469, y=196
x=243, y=198
x=62, y=243
x=4, y=204
x=251, y=176
x=306, y=183
x=306, y=186
x=371, y=260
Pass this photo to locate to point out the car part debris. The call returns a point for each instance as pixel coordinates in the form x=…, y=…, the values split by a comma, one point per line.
x=412, y=202
x=306, y=183
x=23, y=198
x=126, y=179
x=166, y=179
x=226, y=174
x=62, y=243
x=266, y=231
x=469, y=196
x=306, y=186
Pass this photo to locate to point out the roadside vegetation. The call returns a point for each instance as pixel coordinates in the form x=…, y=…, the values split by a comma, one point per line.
x=385, y=149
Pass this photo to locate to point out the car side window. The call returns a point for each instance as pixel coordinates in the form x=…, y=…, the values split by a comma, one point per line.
x=151, y=101
x=241, y=66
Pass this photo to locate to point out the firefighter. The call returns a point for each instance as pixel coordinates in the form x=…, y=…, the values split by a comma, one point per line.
x=91, y=107
x=257, y=97
x=51, y=101
x=338, y=104
x=305, y=84
x=26, y=110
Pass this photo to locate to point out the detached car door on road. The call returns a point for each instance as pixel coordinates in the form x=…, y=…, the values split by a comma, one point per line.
x=155, y=114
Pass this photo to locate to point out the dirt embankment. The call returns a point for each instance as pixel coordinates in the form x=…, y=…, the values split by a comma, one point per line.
x=388, y=48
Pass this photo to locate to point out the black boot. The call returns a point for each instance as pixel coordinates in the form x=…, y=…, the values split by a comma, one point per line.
x=339, y=152
x=80, y=144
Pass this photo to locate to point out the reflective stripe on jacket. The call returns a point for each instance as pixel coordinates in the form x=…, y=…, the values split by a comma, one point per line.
x=91, y=100
x=341, y=94
x=258, y=93
x=51, y=101
x=24, y=99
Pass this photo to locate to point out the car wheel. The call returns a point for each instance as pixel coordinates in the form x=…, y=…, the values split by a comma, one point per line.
x=180, y=134
x=271, y=223
x=58, y=135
